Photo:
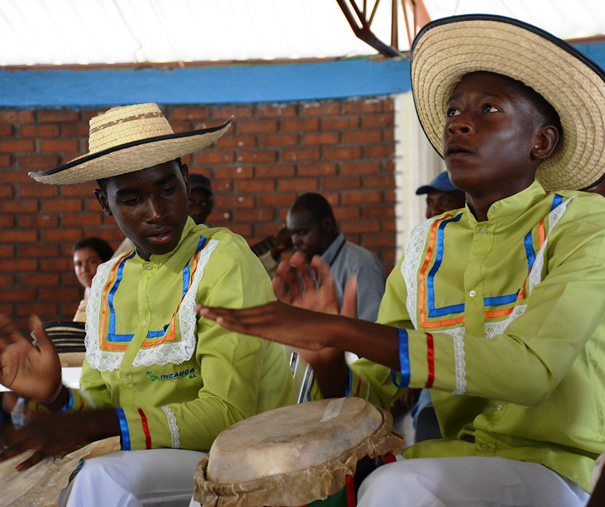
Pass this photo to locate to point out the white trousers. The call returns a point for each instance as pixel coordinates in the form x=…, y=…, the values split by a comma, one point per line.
x=468, y=482
x=154, y=477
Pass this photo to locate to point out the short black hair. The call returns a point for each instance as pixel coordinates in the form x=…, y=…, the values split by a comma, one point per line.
x=103, y=182
x=316, y=204
x=100, y=246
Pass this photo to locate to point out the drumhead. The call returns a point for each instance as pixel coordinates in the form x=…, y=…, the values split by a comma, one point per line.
x=15, y=484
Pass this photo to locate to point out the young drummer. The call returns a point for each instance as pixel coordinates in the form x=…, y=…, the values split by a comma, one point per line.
x=155, y=374
x=498, y=308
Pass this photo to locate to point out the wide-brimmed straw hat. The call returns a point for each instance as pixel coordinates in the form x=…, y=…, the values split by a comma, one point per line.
x=447, y=49
x=128, y=139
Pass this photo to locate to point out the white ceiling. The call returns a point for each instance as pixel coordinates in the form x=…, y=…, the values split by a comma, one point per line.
x=67, y=32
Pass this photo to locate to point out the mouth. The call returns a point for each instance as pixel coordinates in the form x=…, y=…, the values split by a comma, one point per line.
x=161, y=236
x=455, y=150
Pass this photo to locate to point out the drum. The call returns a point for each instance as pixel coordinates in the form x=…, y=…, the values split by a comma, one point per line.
x=68, y=338
x=41, y=484
x=294, y=455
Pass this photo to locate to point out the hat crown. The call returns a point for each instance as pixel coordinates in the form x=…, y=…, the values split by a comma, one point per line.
x=121, y=125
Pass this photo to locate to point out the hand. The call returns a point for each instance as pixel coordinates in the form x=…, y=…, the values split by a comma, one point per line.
x=284, y=242
x=29, y=371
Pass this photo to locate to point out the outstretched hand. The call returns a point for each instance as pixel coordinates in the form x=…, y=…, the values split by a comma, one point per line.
x=30, y=371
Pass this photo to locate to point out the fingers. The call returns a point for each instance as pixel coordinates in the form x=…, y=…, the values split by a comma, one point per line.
x=349, y=302
x=44, y=342
x=34, y=459
x=8, y=331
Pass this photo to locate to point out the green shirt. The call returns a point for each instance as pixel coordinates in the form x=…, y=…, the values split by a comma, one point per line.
x=179, y=379
x=506, y=324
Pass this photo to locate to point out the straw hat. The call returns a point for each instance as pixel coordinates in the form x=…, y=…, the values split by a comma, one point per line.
x=447, y=49
x=128, y=139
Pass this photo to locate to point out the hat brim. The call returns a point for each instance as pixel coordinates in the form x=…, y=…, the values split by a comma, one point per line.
x=131, y=157
x=449, y=48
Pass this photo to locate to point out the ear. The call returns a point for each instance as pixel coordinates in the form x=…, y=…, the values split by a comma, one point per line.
x=185, y=173
x=102, y=198
x=328, y=225
x=546, y=140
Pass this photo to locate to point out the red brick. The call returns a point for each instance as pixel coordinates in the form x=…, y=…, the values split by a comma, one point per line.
x=61, y=205
x=280, y=199
x=5, y=160
x=189, y=113
x=296, y=155
x=58, y=294
x=254, y=215
x=342, y=153
x=62, y=234
x=240, y=113
x=221, y=186
x=39, y=251
x=93, y=205
x=7, y=309
x=6, y=192
x=342, y=183
x=38, y=221
x=298, y=185
x=90, y=114
x=17, y=295
x=244, y=230
x=19, y=206
x=257, y=127
x=20, y=236
x=388, y=135
x=58, y=115
x=58, y=264
x=65, y=158
x=278, y=140
x=362, y=137
x=7, y=250
x=332, y=198
x=364, y=107
x=7, y=221
x=236, y=142
x=275, y=110
x=234, y=202
x=75, y=129
x=384, y=181
x=37, y=130
x=234, y=172
x=81, y=190
x=58, y=145
x=360, y=167
x=360, y=226
x=81, y=219
x=46, y=311
x=255, y=186
x=16, y=116
x=300, y=125
x=6, y=130
x=379, y=151
x=205, y=158
x=320, y=138
x=38, y=190
x=257, y=157
x=181, y=126
x=340, y=123
x=275, y=171
x=18, y=265
x=389, y=105
x=379, y=211
x=348, y=213
x=38, y=162
x=379, y=240
x=378, y=120
x=265, y=230
x=322, y=109
x=39, y=280
x=6, y=280
x=317, y=169
x=389, y=225
x=365, y=197
x=389, y=196
x=17, y=146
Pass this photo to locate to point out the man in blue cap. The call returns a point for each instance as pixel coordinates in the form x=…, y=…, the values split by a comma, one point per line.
x=441, y=196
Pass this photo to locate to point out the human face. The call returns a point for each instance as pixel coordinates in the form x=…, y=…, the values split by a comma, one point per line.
x=489, y=136
x=86, y=262
x=308, y=235
x=438, y=202
x=200, y=205
x=150, y=206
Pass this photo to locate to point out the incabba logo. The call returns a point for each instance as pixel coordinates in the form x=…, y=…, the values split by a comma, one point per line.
x=173, y=376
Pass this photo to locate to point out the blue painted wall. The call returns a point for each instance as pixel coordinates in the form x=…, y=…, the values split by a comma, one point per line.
x=214, y=84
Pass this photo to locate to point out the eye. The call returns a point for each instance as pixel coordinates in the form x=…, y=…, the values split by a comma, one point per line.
x=452, y=111
x=490, y=108
x=168, y=190
x=132, y=201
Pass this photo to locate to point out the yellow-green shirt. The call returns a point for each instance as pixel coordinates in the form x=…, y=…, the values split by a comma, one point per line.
x=179, y=379
x=505, y=323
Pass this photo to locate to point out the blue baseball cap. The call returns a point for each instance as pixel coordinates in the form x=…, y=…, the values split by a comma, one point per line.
x=441, y=182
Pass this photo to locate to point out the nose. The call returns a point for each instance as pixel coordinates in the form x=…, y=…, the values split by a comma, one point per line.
x=297, y=240
x=156, y=210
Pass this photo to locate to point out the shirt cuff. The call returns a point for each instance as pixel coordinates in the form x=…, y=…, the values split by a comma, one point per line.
x=124, y=429
x=404, y=360
x=70, y=402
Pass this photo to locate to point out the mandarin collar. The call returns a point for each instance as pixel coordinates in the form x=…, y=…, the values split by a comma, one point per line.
x=161, y=259
x=513, y=205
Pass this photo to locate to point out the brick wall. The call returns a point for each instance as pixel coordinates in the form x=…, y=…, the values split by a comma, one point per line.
x=273, y=152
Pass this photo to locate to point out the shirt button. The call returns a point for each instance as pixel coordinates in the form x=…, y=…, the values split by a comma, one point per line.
x=472, y=293
x=483, y=230
x=500, y=406
x=125, y=380
x=149, y=267
x=144, y=323
x=485, y=447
